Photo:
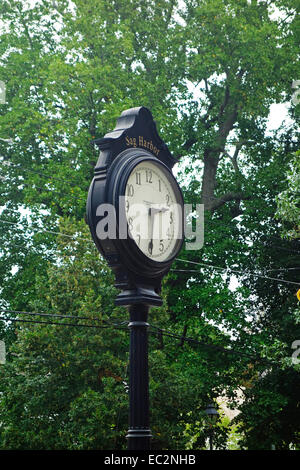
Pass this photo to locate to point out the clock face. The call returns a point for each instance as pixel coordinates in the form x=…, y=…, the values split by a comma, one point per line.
x=153, y=210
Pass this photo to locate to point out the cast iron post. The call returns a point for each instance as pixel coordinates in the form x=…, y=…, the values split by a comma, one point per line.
x=139, y=434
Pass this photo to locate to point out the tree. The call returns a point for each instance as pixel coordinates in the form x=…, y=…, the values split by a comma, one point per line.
x=209, y=71
x=288, y=200
x=66, y=384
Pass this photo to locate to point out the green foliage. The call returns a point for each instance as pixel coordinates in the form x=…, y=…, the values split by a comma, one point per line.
x=209, y=71
x=289, y=200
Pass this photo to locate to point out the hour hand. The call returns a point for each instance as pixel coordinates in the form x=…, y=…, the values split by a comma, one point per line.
x=156, y=210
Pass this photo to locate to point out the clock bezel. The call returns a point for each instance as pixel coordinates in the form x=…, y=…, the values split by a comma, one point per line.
x=117, y=178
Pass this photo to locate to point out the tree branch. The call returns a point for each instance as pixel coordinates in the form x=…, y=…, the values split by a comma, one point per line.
x=230, y=196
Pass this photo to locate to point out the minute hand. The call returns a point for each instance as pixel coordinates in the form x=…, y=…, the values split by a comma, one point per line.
x=152, y=212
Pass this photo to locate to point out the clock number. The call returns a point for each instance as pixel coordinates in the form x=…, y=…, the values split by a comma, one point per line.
x=139, y=239
x=168, y=199
x=159, y=186
x=169, y=234
x=138, y=178
x=148, y=176
x=130, y=190
x=171, y=218
x=127, y=205
x=161, y=246
x=130, y=223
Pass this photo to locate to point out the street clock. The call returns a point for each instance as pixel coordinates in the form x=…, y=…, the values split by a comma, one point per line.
x=135, y=206
x=135, y=214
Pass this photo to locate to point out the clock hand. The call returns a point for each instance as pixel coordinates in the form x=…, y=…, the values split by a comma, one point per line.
x=150, y=245
x=152, y=212
x=156, y=210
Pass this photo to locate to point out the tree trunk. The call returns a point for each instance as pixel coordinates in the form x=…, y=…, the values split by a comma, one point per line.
x=209, y=180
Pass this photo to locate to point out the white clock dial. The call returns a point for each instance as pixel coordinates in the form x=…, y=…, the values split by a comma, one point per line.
x=153, y=211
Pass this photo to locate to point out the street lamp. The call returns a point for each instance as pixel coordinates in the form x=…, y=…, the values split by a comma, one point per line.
x=212, y=417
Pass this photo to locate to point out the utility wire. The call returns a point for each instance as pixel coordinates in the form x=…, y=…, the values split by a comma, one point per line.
x=22, y=183
x=158, y=329
x=165, y=332
x=71, y=183
x=185, y=261
x=52, y=323
x=269, y=236
x=56, y=315
x=121, y=326
x=53, y=232
x=233, y=270
x=211, y=346
x=41, y=174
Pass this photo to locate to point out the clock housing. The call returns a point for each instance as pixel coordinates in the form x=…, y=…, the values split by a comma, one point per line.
x=134, y=144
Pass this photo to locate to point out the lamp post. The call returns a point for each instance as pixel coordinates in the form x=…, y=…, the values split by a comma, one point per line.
x=212, y=417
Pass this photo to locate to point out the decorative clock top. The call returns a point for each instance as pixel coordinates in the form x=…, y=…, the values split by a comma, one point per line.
x=135, y=128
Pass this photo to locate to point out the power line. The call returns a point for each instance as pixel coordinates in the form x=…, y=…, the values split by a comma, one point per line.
x=42, y=174
x=89, y=240
x=269, y=236
x=56, y=315
x=121, y=326
x=22, y=183
x=74, y=237
x=71, y=183
x=111, y=325
x=206, y=265
x=199, y=272
x=52, y=323
x=284, y=269
x=165, y=332
x=210, y=345
x=53, y=232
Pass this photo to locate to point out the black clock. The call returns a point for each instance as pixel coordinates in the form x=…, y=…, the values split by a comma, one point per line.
x=135, y=205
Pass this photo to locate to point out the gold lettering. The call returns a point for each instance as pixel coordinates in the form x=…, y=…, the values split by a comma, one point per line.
x=130, y=141
x=142, y=142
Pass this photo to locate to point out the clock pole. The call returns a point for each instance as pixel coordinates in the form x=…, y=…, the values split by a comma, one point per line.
x=133, y=141
x=138, y=302
x=139, y=434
